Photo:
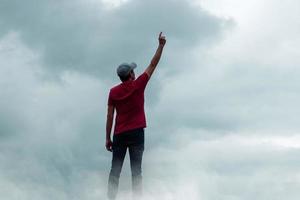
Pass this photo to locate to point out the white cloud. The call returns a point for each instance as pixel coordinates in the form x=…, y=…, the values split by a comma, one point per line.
x=266, y=32
x=42, y=145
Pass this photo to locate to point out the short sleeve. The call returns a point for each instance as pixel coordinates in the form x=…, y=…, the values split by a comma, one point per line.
x=142, y=80
x=110, y=100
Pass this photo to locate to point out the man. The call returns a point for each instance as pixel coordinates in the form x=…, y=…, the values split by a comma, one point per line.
x=127, y=99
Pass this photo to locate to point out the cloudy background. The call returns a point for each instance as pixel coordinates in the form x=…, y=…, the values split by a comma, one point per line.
x=222, y=107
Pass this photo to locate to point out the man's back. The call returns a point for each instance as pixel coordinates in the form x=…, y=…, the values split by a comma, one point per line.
x=128, y=99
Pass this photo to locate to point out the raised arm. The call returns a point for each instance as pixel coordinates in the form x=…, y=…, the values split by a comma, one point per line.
x=162, y=41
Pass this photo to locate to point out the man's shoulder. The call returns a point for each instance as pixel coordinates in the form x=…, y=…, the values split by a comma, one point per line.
x=115, y=87
x=143, y=75
x=121, y=91
x=142, y=80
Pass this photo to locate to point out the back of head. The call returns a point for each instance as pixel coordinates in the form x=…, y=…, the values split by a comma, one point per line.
x=124, y=70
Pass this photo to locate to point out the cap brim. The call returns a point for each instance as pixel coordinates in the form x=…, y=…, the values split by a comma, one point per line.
x=133, y=65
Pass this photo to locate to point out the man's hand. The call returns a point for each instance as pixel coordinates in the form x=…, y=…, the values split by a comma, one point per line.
x=161, y=39
x=108, y=145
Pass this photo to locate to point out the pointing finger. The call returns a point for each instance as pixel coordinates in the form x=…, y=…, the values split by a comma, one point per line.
x=160, y=34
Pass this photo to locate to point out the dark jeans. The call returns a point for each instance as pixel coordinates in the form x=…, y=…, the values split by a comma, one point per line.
x=134, y=141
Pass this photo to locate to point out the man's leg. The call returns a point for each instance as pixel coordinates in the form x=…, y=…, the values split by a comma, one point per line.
x=119, y=152
x=136, y=153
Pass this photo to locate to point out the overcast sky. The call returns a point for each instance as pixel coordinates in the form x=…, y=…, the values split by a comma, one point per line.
x=222, y=107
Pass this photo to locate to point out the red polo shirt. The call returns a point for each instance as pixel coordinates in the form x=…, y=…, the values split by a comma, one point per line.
x=128, y=99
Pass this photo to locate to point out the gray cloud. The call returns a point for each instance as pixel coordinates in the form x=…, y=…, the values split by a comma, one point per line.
x=84, y=36
x=42, y=153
